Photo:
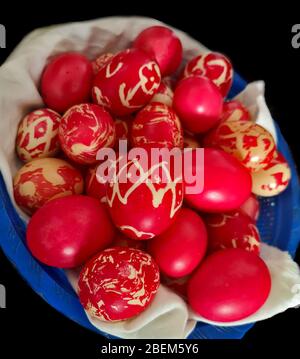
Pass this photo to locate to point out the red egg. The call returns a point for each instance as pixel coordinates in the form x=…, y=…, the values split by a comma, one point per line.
x=232, y=230
x=118, y=284
x=83, y=130
x=66, y=81
x=101, y=61
x=180, y=249
x=121, y=240
x=67, y=231
x=198, y=103
x=227, y=184
x=123, y=129
x=234, y=110
x=229, y=285
x=272, y=179
x=93, y=187
x=164, y=94
x=127, y=82
x=251, y=207
x=248, y=142
x=214, y=66
x=144, y=197
x=162, y=45
x=44, y=179
x=157, y=125
x=37, y=135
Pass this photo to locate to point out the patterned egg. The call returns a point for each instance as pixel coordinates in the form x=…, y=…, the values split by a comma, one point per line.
x=164, y=94
x=251, y=207
x=161, y=44
x=235, y=111
x=273, y=179
x=229, y=285
x=37, y=135
x=198, y=103
x=118, y=284
x=248, y=142
x=93, y=187
x=157, y=125
x=127, y=82
x=101, y=61
x=213, y=65
x=41, y=180
x=83, y=130
x=232, y=230
x=144, y=197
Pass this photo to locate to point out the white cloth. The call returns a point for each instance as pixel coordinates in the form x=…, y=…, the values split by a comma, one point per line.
x=168, y=316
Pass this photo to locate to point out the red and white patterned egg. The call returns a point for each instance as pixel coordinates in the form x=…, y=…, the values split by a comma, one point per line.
x=164, y=94
x=234, y=110
x=101, y=61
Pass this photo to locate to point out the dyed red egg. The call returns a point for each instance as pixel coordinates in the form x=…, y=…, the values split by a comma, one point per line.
x=123, y=128
x=251, y=207
x=227, y=184
x=157, y=125
x=164, y=94
x=84, y=130
x=144, y=197
x=118, y=284
x=229, y=285
x=67, y=231
x=272, y=179
x=162, y=45
x=94, y=187
x=67, y=81
x=127, y=82
x=232, y=230
x=217, y=67
x=198, y=103
x=37, y=135
x=180, y=249
x=101, y=61
x=235, y=111
x=42, y=180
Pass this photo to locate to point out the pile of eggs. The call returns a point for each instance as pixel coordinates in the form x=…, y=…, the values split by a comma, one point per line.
x=127, y=239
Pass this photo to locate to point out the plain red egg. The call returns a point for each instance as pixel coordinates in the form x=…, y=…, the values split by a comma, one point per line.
x=227, y=184
x=198, y=103
x=180, y=249
x=232, y=230
x=229, y=285
x=67, y=231
x=251, y=207
x=67, y=81
x=161, y=44
x=118, y=283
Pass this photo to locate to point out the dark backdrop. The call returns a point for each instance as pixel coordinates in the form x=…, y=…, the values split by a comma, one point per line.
x=260, y=48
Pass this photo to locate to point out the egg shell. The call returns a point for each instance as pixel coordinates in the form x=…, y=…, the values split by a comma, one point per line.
x=118, y=283
x=215, y=66
x=180, y=249
x=229, y=285
x=157, y=125
x=198, y=103
x=234, y=110
x=127, y=82
x=162, y=45
x=227, y=184
x=93, y=187
x=272, y=179
x=251, y=207
x=66, y=81
x=37, y=135
x=42, y=180
x=67, y=231
x=145, y=205
x=248, y=142
x=84, y=130
x=164, y=94
x=232, y=230
x=101, y=61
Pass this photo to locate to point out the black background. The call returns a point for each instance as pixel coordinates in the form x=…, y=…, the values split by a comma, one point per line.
x=259, y=45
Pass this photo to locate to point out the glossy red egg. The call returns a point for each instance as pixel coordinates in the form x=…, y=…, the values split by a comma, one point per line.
x=67, y=231
x=251, y=207
x=118, y=283
x=67, y=81
x=127, y=82
x=229, y=285
x=161, y=44
x=198, y=103
x=227, y=184
x=180, y=249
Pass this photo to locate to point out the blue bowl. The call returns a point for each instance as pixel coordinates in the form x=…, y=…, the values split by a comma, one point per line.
x=279, y=225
